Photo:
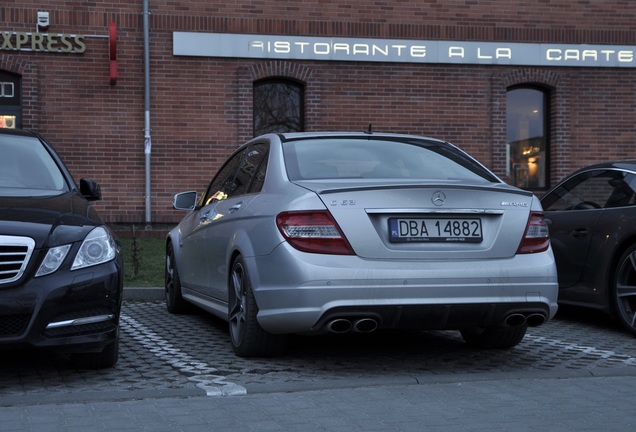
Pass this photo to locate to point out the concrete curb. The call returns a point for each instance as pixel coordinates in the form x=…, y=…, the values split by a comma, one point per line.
x=437, y=379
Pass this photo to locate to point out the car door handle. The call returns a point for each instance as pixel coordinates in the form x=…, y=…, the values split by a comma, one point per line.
x=235, y=207
x=204, y=216
x=579, y=233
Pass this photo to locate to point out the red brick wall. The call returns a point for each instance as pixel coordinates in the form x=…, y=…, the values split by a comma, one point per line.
x=201, y=107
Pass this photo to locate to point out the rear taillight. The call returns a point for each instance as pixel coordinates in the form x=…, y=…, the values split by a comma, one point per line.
x=536, y=237
x=313, y=231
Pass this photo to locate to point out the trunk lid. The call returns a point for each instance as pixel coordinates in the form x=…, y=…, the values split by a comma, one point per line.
x=397, y=220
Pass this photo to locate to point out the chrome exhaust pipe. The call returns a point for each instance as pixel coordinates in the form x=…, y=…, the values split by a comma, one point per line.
x=536, y=319
x=515, y=320
x=365, y=325
x=339, y=325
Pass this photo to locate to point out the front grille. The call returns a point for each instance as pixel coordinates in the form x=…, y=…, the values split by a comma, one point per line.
x=13, y=324
x=15, y=253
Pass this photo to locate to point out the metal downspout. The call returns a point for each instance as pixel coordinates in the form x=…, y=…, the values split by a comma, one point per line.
x=147, y=139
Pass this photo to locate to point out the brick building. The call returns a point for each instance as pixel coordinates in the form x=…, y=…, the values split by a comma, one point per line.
x=533, y=89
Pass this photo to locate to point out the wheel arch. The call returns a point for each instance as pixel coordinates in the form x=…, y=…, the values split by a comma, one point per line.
x=241, y=245
x=171, y=241
x=168, y=244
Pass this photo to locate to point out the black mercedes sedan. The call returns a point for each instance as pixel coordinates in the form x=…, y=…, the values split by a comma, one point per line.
x=591, y=216
x=61, y=268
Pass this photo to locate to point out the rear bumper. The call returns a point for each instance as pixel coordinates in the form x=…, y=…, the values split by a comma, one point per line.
x=299, y=292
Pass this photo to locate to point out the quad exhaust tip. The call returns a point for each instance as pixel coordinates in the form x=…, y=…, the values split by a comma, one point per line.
x=536, y=319
x=369, y=324
x=365, y=325
x=339, y=325
x=345, y=325
x=519, y=319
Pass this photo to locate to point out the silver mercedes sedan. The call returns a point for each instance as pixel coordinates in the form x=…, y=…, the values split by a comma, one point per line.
x=306, y=233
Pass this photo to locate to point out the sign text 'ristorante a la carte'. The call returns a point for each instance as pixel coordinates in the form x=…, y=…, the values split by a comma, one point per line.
x=398, y=50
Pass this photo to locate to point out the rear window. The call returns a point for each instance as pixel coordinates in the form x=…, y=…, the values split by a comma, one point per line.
x=27, y=168
x=374, y=158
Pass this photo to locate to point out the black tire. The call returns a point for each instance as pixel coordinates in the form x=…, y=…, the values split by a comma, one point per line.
x=247, y=336
x=624, y=290
x=107, y=358
x=494, y=337
x=174, y=300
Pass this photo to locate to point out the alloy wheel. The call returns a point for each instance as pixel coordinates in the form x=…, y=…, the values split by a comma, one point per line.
x=237, y=309
x=625, y=290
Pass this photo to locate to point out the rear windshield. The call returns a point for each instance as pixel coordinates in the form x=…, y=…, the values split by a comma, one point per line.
x=27, y=168
x=342, y=158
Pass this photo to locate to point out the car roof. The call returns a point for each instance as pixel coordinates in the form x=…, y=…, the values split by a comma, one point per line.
x=629, y=165
x=289, y=136
x=18, y=132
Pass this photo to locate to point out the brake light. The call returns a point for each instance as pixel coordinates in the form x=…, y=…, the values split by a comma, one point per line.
x=536, y=238
x=314, y=232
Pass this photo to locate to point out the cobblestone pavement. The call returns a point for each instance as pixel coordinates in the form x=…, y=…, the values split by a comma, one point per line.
x=164, y=354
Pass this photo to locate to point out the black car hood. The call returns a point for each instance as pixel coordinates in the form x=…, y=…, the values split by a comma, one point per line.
x=50, y=221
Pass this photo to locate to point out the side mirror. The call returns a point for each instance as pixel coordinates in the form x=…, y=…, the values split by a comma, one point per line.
x=185, y=200
x=90, y=189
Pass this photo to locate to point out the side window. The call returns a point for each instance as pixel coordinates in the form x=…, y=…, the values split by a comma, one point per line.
x=528, y=148
x=593, y=190
x=259, y=178
x=248, y=168
x=623, y=193
x=278, y=106
x=223, y=186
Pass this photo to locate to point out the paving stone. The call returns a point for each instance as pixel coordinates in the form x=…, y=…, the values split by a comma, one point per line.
x=161, y=352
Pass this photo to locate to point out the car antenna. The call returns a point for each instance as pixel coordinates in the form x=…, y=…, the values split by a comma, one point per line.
x=369, y=130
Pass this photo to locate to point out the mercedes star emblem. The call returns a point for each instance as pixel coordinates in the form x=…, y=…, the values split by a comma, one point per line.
x=438, y=198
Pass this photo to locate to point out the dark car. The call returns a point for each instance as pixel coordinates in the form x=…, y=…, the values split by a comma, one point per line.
x=592, y=220
x=61, y=269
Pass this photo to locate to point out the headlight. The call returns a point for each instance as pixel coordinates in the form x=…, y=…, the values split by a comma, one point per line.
x=53, y=259
x=98, y=247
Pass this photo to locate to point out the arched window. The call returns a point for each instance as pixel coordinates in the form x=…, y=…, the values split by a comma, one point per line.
x=278, y=106
x=528, y=140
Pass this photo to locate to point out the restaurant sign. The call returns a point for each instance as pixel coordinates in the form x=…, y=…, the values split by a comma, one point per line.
x=46, y=42
x=399, y=50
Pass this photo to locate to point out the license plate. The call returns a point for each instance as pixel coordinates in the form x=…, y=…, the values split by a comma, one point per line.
x=435, y=230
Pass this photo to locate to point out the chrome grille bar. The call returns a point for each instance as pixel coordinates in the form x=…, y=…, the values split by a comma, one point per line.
x=15, y=253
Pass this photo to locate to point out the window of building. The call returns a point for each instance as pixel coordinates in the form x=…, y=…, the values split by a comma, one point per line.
x=278, y=106
x=10, y=109
x=528, y=142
